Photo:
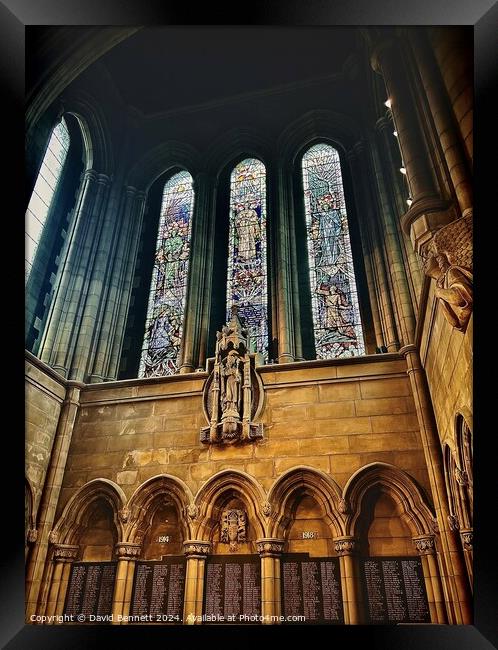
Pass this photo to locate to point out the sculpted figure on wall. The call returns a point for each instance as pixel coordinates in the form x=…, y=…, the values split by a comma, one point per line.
x=231, y=387
x=448, y=259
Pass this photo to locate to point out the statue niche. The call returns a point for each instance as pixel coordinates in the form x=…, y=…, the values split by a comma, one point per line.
x=230, y=390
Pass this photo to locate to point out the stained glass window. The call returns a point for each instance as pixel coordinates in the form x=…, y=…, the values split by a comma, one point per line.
x=336, y=316
x=247, y=283
x=164, y=324
x=44, y=190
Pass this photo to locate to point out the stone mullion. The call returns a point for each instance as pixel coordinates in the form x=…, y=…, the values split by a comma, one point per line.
x=398, y=203
x=126, y=285
x=196, y=296
x=51, y=342
x=444, y=124
x=428, y=211
x=297, y=338
x=196, y=552
x=346, y=547
x=425, y=545
x=284, y=308
x=50, y=495
x=270, y=551
x=116, y=280
x=454, y=574
x=95, y=283
x=394, y=257
x=367, y=253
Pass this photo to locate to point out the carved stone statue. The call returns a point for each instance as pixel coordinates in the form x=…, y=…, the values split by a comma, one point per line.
x=228, y=396
x=233, y=528
x=448, y=259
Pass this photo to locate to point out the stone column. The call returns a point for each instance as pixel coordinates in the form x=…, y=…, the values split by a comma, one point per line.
x=127, y=554
x=345, y=547
x=196, y=552
x=428, y=210
x=117, y=289
x=453, y=571
x=196, y=323
x=63, y=556
x=270, y=549
x=426, y=548
x=58, y=346
x=46, y=513
x=454, y=55
x=444, y=122
x=135, y=206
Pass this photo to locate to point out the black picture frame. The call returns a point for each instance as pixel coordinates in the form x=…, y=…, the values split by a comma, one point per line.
x=15, y=15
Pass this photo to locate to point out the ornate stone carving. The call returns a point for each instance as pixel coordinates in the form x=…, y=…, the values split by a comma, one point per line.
x=228, y=393
x=467, y=539
x=270, y=546
x=53, y=537
x=196, y=547
x=345, y=545
x=448, y=259
x=32, y=535
x=266, y=509
x=192, y=511
x=453, y=522
x=65, y=552
x=425, y=544
x=461, y=476
x=343, y=506
x=128, y=550
x=233, y=527
x=124, y=515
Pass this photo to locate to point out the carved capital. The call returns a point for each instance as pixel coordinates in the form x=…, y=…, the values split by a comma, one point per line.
x=345, y=545
x=269, y=546
x=467, y=536
x=65, y=552
x=128, y=551
x=425, y=544
x=196, y=548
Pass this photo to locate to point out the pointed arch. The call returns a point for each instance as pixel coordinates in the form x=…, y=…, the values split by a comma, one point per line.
x=145, y=500
x=237, y=483
x=304, y=480
x=73, y=519
x=416, y=511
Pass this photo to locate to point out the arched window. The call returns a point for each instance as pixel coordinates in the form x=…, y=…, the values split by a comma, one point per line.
x=247, y=275
x=44, y=190
x=164, y=324
x=336, y=315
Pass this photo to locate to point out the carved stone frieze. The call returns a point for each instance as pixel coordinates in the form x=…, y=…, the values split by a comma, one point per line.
x=65, y=552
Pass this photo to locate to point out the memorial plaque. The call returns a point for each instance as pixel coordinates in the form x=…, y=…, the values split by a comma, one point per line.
x=311, y=588
x=90, y=590
x=394, y=589
x=158, y=589
x=232, y=589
